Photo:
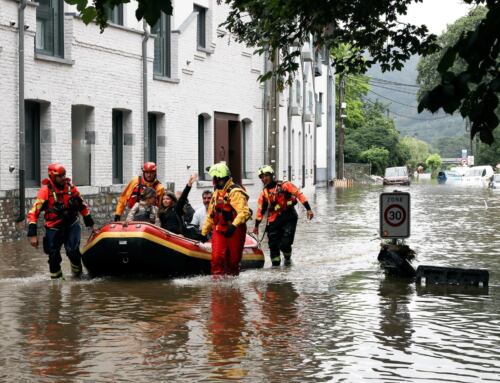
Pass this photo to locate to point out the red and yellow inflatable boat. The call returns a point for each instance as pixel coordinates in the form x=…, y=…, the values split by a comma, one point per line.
x=140, y=248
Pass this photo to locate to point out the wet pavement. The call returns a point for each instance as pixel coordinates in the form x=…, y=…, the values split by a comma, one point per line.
x=331, y=316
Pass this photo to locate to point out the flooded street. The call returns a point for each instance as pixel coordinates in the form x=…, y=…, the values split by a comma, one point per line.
x=331, y=316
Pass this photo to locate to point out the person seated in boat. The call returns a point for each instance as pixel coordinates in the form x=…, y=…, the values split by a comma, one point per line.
x=201, y=213
x=172, y=209
x=132, y=193
x=145, y=210
x=188, y=210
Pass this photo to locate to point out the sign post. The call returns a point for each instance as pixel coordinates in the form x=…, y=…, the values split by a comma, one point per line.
x=395, y=215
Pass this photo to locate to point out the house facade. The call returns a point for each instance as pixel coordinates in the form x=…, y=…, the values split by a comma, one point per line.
x=182, y=93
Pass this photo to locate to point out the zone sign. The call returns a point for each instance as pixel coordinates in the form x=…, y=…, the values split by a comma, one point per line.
x=395, y=215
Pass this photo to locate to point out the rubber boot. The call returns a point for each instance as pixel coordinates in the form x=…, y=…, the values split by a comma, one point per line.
x=288, y=258
x=76, y=270
x=276, y=260
x=57, y=275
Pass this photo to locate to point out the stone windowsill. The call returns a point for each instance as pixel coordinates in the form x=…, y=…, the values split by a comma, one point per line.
x=206, y=50
x=59, y=60
x=166, y=79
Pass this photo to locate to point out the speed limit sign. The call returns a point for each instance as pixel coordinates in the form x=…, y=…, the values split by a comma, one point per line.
x=395, y=215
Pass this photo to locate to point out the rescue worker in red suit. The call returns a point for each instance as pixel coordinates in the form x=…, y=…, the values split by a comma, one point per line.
x=133, y=192
x=61, y=201
x=227, y=215
x=279, y=198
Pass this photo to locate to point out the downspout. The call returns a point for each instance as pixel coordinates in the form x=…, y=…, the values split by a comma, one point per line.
x=264, y=108
x=304, y=79
x=145, y=88
x=22, y=148
x=330, y=134
x=289, y=132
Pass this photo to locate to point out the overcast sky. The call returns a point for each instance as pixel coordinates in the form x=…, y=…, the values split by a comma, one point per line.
x=436, y=14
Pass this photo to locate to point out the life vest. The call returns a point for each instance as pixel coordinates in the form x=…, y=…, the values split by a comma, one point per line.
x=279, y=199
x=223, y=213
x=61, y=204
x=137, y=192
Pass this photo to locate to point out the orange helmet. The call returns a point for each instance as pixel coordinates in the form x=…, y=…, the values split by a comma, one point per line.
x=56, y=169
x=149, y=167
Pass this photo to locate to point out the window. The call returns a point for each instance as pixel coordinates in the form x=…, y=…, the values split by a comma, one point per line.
x=32, y=143
x=152, y=137
x=81, y=120
x=201, y=147
x=320, y=101
x=162, y=66
x=115, y=14
x=117, y=147
x=245, y=148
x=298, y=90
x=201, y=25
x=310, y=102
x=49, y=28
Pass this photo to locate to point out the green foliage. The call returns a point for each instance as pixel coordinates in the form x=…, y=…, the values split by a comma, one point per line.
x=469, y=75
x=417, y=150
x=451, y=147
x=378, y=157
x=434, y=162
x=489, y=154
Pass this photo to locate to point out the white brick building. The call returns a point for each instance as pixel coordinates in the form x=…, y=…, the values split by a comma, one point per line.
x=84, y=99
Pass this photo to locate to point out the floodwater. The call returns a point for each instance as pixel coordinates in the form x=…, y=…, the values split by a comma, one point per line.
x=331, y=316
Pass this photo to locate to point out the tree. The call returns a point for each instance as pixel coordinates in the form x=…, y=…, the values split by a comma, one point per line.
x=472, y=88
x=418, y=151
x=378, y=157
x=489, y=154
x=434, y=162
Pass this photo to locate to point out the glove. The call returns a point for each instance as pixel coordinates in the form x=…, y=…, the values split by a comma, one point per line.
x=117, y=217
x=230, y=231
x=89, y=222
x=203, y=238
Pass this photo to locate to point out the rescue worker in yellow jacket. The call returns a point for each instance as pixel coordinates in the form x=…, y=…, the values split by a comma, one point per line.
x=227, y=215
x=278, y=199
x=133, y=192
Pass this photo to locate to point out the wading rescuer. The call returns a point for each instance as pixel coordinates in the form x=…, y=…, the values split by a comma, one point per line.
x=227, y=215
x=136, y=187
x=279, y=198
x=61, y=202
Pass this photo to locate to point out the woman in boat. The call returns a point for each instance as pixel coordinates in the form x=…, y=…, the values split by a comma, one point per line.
x=172, y=209
x=145, y=210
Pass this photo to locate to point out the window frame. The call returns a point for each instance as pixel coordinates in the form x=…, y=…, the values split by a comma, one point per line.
x=117, y=147
x=201, y=26
x=50, y=16
x=162, y=65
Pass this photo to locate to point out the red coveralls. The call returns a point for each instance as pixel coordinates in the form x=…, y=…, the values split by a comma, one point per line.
x=227, y=206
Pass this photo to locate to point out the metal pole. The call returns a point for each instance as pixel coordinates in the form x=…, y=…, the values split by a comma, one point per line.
x=289, y=132
x=265, y=105
x=273, y=132
x=304, y=103
x=330, y=127
x=22, y=143
x=145, y=89
x=341, y=126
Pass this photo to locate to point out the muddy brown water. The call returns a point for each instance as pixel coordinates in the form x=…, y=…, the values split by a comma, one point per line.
x=331, y=316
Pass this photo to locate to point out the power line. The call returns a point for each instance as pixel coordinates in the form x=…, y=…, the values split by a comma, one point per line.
x=393, y=89
x=411, y=117
x=390, y=99
x=392, y=82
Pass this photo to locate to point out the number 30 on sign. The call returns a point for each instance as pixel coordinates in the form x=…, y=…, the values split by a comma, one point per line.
x=395, y=215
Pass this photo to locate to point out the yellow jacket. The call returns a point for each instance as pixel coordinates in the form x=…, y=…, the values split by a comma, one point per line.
x=238, y=199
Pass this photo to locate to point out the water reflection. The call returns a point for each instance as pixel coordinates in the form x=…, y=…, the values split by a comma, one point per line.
x=395, y=319
x=52, y=338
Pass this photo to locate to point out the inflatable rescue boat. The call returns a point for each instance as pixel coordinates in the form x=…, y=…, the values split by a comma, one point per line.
x=140, y=248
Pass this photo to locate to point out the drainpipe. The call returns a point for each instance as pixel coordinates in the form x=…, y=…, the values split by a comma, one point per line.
x=264, y=109
x=304, y=106
x=22, y=148
x=145, y=88
x=289, y=132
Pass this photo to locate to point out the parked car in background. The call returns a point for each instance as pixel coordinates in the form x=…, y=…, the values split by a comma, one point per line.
x=397, y=175
x=495, y=182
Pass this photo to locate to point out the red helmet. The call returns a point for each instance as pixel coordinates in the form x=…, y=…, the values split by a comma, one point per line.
x=56, y=169
x=149, y=167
